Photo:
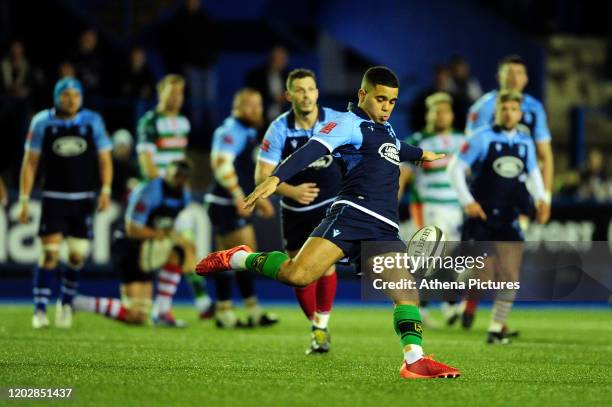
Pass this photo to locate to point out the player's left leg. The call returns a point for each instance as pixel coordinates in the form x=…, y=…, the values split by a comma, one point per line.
x=507, y=267
x=245, y=279
x=78, y=250
x=168, y=279
x=407, y=323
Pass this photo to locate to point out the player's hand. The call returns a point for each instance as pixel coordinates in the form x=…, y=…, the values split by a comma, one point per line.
x=240, y=210
x=104, y=201
x=474, y=210
x=305, y=193
x=542, y=212
x=263, y=190
x=431, y=156
x=264, y=209
x=24, y=213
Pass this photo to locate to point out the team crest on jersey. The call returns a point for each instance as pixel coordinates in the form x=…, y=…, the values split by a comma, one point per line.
x=322, y=162
x=69, y=146
x=294, y=143
x=389, y=152
x=508, y=166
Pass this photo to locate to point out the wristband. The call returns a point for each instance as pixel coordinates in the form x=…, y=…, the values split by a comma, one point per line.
x=106, y=190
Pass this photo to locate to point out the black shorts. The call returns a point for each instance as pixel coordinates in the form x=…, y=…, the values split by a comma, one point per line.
x=224, y=219
x=348, y=227
x=69, y=217
x=296, y=227
x=476, y=229
x=126, y=259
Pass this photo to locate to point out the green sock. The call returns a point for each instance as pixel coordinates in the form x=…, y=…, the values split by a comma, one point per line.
x=268, y=264
x=197, y=284
x=407, y=324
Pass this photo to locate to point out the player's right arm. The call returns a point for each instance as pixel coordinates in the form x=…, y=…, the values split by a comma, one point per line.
x=270, y=155
x=471, y=152
x=146, y=147
x=29, y=165
x=142, y=201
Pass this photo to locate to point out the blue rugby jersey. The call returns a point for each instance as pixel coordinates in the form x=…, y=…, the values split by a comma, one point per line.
x=236, y=138
x=533, y=123
x=69, y=152
x=283, y=138
x=499, y=164
x=155, y=204
x=369, y=155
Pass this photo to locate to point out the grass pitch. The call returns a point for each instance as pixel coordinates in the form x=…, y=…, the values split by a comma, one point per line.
x=563, y=357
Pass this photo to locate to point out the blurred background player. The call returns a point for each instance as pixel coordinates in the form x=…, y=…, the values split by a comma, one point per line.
x=152, y=241
x=76, y=160
x=512, y=75
x=307, y=195
x=162, y=138
x=499, y=157
x=232, y=158
x=439, y=204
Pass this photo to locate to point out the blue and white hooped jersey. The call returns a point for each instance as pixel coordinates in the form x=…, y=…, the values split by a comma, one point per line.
x=155, y=204
x=69, y=152
x=500, y=163
x=235, y=138
x=283, y=138
x=533, y=123
x=369, y=156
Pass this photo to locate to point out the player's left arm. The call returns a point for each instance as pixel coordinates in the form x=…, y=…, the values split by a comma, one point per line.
x=539, y=191
x=105, y=162
x=544, y=152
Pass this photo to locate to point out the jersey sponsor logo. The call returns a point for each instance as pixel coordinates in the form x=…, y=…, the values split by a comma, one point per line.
x=328, y=127
x=69, y=146
x=322, y=162
x=508, y=166
x=389, y=152
x=265, y=146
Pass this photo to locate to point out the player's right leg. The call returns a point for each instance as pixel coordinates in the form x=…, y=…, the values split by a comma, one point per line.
x=43, y=275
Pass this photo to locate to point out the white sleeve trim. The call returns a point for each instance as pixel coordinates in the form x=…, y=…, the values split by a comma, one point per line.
x=327, y=145
x=538, y=191
x=456, y=171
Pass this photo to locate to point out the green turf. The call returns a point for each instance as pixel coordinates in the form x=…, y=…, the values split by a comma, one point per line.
x=562, y=358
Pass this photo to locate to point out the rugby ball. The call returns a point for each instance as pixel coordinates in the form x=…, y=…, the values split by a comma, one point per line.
x=428, y=241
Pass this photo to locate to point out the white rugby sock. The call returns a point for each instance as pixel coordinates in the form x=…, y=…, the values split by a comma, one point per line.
x=412, y=353
x=238, y=260
x=321, y=319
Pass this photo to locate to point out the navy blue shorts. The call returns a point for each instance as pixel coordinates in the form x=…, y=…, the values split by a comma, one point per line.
x=347, y=227
x=476, y=229
x=69, y=217
x=224, y=219
x=297, y=226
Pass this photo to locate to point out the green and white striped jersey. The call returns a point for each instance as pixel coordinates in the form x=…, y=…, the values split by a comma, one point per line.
x=164, y=136
x=431, y=181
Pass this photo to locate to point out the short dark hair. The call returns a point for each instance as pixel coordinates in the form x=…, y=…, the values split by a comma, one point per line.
x=511, y=59
x=380, y=75
x=299, y=74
